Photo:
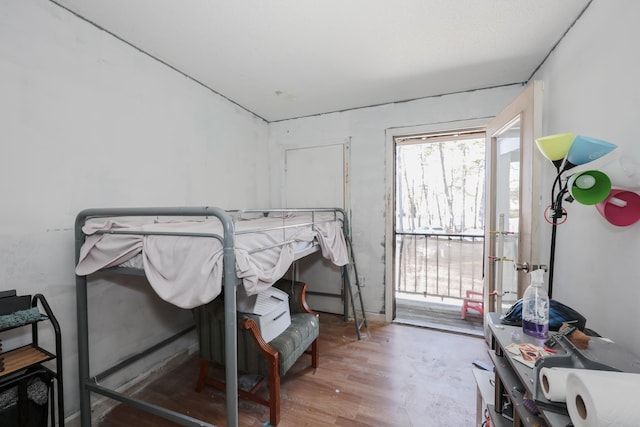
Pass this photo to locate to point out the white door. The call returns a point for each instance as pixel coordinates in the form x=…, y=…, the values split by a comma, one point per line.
x=316, y=177
x=513, y=197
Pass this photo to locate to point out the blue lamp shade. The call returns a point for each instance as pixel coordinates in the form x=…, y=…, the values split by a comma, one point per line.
x=589, y=187
x=586, y=149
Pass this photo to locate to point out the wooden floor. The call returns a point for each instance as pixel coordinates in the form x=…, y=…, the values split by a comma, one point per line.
x=396, y=375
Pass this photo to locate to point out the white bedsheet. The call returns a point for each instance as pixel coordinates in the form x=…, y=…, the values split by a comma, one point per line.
x=187, y=271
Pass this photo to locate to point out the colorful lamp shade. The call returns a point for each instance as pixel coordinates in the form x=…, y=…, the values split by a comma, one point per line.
x=589, y=187
x=621, y=208
x=555, y=147
x=586, y=149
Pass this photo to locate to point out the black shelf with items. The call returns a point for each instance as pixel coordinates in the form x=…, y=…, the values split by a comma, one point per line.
x=515, y=386
x=512, y=382
x=23, y=368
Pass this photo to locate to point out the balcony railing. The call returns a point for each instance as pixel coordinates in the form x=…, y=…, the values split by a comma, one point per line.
x=440, y=265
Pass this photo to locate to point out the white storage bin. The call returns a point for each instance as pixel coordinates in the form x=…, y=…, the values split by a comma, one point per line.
x=269, y=309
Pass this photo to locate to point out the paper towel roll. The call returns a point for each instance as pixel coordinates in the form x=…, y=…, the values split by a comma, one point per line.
x=553, y=382
x=602, y=399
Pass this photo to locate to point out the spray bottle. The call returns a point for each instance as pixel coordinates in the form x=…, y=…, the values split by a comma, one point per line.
x=535, y=307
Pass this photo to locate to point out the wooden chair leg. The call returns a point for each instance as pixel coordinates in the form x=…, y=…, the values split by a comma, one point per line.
x=314, y=353
x=274, y=393
x=204, y=366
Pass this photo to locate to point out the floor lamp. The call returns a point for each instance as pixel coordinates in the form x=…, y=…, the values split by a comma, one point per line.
x=591, y=187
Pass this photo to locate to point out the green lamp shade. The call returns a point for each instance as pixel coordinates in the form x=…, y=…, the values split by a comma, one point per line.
x=589, y=187
x=555, y=147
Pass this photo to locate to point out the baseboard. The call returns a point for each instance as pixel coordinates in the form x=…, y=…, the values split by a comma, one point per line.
x=376, y=317
x=373, y=317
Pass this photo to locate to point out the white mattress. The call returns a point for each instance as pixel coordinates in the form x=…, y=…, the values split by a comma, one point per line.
x=187, y=271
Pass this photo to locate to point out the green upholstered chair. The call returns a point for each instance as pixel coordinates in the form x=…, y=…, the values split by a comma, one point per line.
x=255, y=356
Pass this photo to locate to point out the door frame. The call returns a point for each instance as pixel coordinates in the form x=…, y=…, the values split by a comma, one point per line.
x=346, y=153
x=390, y=197
x=528, y=106
x=320, y=295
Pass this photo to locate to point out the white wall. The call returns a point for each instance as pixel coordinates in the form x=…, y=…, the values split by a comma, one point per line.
x=367, y=128
x=591, y=88
x=88, y=121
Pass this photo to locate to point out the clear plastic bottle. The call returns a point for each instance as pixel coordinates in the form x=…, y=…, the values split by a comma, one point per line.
x=535, y=307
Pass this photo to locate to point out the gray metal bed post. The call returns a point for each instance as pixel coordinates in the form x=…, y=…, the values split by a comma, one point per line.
x=230, y=281
x=230, y=317
x=83, y=332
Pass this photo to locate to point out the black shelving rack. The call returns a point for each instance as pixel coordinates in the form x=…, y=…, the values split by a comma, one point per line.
x=22, y=363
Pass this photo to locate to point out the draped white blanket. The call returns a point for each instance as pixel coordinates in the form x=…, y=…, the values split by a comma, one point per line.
x=187, y=271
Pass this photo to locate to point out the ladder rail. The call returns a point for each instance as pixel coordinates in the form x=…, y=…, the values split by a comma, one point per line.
x=350, y=291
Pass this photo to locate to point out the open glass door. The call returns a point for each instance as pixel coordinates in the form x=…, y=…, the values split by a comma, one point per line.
x=513, y=198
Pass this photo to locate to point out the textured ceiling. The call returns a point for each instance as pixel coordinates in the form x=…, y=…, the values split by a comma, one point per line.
x=292, y=58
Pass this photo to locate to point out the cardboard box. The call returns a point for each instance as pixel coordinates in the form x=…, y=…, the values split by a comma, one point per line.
x=269, y=309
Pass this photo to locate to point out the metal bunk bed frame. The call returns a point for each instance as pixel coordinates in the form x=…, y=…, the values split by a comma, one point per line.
x=90, y=383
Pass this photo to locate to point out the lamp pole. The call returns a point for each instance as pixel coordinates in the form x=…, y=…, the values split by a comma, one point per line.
x=554, y=229
x=557, y=213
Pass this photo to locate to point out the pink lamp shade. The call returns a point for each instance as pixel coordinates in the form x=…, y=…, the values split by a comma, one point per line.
x=621, y=208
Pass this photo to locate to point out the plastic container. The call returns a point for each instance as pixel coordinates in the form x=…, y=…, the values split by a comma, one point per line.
x=535, y=307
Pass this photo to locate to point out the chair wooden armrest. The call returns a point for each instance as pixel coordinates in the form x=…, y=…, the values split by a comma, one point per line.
x=297, y=295
x=267, y=351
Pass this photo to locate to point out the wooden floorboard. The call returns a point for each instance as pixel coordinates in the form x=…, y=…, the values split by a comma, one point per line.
x=396, y=375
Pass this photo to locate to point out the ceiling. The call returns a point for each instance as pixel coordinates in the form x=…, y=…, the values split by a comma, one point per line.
x=284, y=59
